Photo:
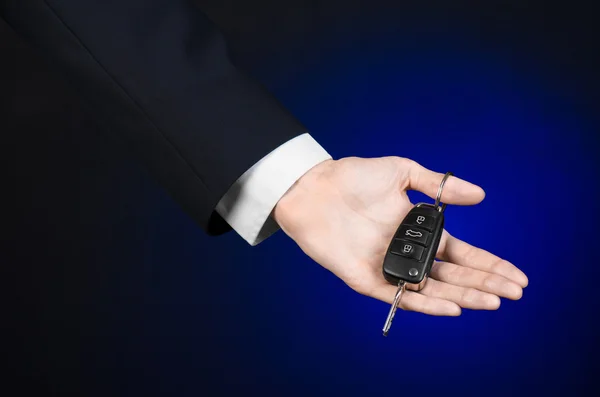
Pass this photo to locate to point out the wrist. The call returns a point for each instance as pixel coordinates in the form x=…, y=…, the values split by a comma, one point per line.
x=312, y=185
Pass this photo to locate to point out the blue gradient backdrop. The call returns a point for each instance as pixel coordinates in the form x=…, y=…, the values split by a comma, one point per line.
x=269, y=319
x=163, y=309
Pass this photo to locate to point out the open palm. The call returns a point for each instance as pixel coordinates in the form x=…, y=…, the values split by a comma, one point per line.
x=344, y=213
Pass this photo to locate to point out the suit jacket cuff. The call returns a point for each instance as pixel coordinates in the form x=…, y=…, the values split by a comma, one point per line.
x=248, y=204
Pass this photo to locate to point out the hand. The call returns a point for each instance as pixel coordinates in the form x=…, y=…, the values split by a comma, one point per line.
x=344, y=213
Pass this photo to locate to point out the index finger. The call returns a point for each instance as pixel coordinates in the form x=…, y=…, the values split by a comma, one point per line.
x=461, y=253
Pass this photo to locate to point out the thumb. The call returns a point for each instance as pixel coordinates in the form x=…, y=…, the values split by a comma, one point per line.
x=455, y=191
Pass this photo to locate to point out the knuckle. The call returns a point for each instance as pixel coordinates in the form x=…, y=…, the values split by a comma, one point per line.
x=469, y=295
x=464, y=296
x=405, y=162
x=454, y=274
x=489, y=282
x=470, y=255
x=408, y=168
x=498, y=265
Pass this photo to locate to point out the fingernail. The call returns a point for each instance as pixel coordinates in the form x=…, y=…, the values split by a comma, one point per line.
x=494, y=302
x=456, y=311
x=524, y=281
x=473, y=190
x=516, y=292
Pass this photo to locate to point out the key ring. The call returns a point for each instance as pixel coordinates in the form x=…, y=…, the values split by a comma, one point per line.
x=439, y=193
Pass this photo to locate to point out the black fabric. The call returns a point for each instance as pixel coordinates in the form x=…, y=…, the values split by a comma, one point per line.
x=158, y=74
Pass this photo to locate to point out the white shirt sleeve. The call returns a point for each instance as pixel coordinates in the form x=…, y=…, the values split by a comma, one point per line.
x=247, y=207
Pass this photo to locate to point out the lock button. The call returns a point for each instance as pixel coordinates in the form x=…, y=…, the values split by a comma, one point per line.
x=407, y=249
x=421, y=220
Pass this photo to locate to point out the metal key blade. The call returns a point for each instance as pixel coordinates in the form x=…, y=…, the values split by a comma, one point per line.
x=390, y=317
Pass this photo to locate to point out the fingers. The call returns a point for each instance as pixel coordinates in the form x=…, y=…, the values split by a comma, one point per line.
x=446, y=298
x=456, y=190
x=417, y=302
x=461, y=276
x=438, y=298
x=461, y=253
x=468, y=298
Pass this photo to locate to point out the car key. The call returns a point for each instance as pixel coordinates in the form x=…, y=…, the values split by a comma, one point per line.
x=411, y=253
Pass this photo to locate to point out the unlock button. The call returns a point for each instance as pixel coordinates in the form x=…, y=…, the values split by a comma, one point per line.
x=407, y=249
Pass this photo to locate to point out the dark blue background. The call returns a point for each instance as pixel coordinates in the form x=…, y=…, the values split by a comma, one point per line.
x=112, y=290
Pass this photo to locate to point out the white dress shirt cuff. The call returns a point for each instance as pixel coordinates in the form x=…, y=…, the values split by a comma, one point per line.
x=248, y=205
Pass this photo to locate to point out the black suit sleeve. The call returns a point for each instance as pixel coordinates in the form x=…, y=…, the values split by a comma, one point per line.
x=158, y=72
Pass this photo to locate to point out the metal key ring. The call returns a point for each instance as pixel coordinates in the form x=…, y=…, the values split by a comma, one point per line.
x=439, y=193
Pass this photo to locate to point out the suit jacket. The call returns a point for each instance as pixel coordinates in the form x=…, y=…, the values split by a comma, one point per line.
x=158, y=73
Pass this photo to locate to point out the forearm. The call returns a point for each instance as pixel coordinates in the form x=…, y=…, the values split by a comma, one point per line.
x=158, y=73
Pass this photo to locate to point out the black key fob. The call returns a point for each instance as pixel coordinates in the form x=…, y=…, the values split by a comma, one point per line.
x=412, y=250
x=411, y=253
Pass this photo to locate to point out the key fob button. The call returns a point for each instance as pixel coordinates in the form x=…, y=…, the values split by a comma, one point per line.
x=407, y=232
x=420, y=220
x=407, y=249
